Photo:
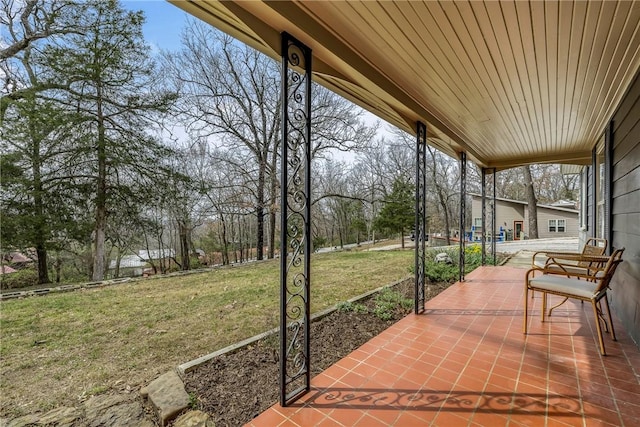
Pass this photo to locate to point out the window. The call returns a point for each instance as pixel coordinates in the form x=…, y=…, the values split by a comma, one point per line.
x=561, y=225
x=557, y=225
x=599, y=173
x=584, y=202
x=477, y=222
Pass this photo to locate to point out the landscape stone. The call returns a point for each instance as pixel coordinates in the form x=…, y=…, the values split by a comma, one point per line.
x=61, y=417
x=115, y=410
x=443, y=257
x=27, y=420
x=168, y=395
x=194, y=419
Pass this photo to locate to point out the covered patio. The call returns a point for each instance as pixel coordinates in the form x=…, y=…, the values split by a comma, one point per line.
x=502, y=85
x=465, y=361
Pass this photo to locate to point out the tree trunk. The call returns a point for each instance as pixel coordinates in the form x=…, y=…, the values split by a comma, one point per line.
x=260, y=211
x=116, y=271
x=39, y=228
x=532, y=203
x=445, y=211
x=40, y=234
x=101, y=195
x=225, y=244
x=183, y=229
x=272, y=212
x=58, y=267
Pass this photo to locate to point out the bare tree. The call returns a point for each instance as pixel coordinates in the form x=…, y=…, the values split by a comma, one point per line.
x=532, y=202
x=233, y=91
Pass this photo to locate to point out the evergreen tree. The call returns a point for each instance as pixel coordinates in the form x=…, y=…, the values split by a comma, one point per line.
x=113, y=90
x=398, y=212
x=76, y=116
x=36, y=128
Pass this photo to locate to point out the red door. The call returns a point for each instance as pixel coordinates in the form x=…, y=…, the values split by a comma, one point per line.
x=517, y=229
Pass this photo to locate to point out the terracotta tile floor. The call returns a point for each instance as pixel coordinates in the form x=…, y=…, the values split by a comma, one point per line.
x=466, y=362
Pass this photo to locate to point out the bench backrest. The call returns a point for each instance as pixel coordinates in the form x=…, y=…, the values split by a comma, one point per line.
x=594, y=246
x=605, y=275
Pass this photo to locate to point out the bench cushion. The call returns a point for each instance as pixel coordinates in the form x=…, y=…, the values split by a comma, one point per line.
x=565, y=285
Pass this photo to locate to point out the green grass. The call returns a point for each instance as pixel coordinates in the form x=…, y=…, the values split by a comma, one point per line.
x=64, y=347
x=61, y=348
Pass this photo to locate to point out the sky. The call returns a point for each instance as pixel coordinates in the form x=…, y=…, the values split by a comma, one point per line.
x=163, y=24
x=162, y=28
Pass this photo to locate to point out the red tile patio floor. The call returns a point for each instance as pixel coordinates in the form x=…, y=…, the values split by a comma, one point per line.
x=466, y=362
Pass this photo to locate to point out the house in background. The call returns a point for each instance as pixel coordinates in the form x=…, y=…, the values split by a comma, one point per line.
x=130, y=266
x=19, y=260
x=5, y=269
x=512, y=219
x=144, y=263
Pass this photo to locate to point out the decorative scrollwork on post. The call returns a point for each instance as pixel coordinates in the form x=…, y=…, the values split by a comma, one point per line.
x=483, y=224
x=463, y=196
x=493, y=216
x=420, y=229
x=295, y=231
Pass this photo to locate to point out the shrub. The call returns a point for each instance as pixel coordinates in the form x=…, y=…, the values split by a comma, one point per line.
x=349, y=306
x=388, y=302
x=441, y=272
x=20, y=279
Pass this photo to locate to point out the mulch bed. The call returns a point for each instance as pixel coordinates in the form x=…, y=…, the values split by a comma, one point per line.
x=236, y=387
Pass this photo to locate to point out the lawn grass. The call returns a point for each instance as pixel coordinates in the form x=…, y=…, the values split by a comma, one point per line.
x=61, y=348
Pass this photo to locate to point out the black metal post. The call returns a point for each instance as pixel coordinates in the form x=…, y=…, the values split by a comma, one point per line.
x=484, y=216
x=463, y=195
x=420, y=227
x=295, y=221
x=493, y=218
x=595, y=171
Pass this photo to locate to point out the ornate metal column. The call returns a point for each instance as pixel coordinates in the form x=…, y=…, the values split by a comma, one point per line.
x=295, y=216
x=420, y=227
x=484, y=216
x=493, y=218
x=463, y=196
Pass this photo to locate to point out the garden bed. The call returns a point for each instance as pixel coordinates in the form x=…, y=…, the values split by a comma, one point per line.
x=236, y=387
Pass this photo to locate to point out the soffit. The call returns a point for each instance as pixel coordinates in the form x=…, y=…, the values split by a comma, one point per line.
x=509, y=83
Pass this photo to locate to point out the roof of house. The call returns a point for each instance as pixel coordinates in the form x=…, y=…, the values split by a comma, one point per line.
x=509, y=83
x=519, y=202
x=156, y=254
x=5, y=269
x=128, y=261
x=17, y=258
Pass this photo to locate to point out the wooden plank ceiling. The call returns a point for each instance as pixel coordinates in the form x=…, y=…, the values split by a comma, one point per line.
x=510, y=82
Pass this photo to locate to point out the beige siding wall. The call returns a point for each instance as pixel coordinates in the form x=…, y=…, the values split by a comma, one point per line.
x=570, y=218
x=507, y=213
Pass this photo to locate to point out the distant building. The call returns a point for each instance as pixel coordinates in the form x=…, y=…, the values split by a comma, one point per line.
x=155, y=254
x=19, y=260
x=140, y=264
x=130, y=265
x=5, y=269
x=512, y=219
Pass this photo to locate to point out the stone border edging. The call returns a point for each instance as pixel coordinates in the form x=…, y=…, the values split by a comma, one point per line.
x=193, y=364
x=109, y=282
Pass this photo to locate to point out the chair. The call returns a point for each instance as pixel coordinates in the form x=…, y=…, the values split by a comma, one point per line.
x=590, y=284
x=593, y=246
x=565, y=261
